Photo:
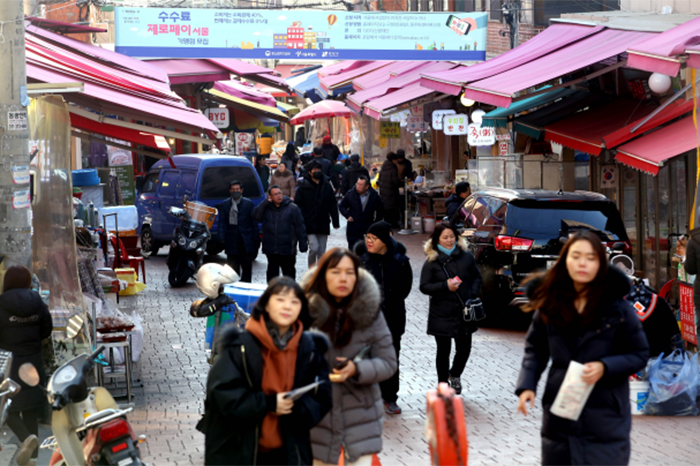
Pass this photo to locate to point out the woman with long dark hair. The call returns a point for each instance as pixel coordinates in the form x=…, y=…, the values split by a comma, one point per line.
x=24, y=322
x=581, y=315
x=451, y=278
x=344, y=303
x=248, y=420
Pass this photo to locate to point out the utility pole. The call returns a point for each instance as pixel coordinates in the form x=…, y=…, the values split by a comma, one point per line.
x=15, y=207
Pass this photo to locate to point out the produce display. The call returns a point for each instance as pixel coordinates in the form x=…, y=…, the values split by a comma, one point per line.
x=113, y=323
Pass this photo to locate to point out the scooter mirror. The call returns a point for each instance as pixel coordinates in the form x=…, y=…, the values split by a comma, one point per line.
x=75, y=325
x=28, y=374
x=9, y=385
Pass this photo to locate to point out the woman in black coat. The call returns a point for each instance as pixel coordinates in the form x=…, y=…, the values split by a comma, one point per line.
x=239, y=409
x=581, y=316
x=451, y=278
x=24, y=322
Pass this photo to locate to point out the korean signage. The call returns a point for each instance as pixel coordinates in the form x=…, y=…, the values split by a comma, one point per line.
x=687, y=313
x=455, y=125
x=218, y=116
x=294, y=34
x=481, y=135
x=416, y=124
x=389, y=129
x=438, y=115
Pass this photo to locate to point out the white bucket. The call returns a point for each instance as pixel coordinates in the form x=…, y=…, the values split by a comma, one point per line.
x=417, y=224
x=429, y=225
x=639, y=391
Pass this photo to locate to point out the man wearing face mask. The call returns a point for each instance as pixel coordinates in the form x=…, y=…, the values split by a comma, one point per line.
x=316, y=199
x=239, y=231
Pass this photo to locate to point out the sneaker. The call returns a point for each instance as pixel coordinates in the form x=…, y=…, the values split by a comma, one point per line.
x=24, y=454
x=392, y=408
x=456, y=384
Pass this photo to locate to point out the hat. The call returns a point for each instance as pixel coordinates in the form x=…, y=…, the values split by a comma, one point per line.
x=401, y=154
x=355, y=157
x=326, y=139
x=381, y=230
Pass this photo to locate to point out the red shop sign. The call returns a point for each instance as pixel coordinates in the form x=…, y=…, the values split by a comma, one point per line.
x=687, y=313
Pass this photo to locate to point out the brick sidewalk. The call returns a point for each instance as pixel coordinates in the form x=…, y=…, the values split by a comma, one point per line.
x=174, y=370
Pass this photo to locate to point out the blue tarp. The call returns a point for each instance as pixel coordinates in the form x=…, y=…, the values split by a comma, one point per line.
x=305, y=85
x=499, y=118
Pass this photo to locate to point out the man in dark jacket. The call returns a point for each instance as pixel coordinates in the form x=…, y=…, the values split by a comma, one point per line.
x=404, y=165
x=462, y=191
x=351, y=174
x=385, y=258
x=362, y=207
x=239, y=231
x=316, y=199
x=330, y=150
x=282, y=228
x=692, y=266
x=326, y=166
x=389, y=190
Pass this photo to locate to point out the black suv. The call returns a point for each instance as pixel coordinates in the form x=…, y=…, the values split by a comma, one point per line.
x=514, y=232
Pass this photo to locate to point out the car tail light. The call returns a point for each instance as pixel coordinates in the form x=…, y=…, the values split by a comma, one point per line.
x=114, y=429
x=513, y=243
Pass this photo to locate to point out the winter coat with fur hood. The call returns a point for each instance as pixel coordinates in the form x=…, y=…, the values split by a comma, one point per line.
x=445, y=318
x=236, y=406
x=286, y=181
x=356, y=420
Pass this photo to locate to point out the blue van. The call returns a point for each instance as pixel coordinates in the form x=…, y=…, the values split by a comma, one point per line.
x=200, y=177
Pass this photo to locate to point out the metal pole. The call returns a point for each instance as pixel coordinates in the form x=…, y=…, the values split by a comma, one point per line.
x=15, y=209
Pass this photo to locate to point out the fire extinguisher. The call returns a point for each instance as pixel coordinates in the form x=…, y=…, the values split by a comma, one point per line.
x=446, y=429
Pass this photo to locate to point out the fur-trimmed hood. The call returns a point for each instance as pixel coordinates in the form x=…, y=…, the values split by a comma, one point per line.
x=432, y=254
x=364, y=310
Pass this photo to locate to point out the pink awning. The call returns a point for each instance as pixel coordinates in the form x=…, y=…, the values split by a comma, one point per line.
x=554, y=37
x=246, y=92
x=340, y=67
x=649, y=153
x=384, y=74
x=329, y=83
x=660, y=53
x=384, y=105
x=254, y=73
x=693, y=59
x=499, y=90
x=358, y=99
x=192, y=71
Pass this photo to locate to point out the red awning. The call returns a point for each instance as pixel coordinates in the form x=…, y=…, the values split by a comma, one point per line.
x=329, y=83
x=553, y=38
x=661, y=53
x=358, y=99
x=63, y=28
x=649, y=153
x=125, y=134
x=586, y=131
x=499, y=90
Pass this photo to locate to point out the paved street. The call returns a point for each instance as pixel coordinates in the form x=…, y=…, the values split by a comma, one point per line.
x=174, y=370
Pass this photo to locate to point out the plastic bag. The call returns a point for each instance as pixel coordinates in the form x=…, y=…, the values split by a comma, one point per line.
x=673, y=385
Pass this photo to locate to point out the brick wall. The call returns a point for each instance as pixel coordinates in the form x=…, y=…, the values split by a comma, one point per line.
x=498, y=43
x=68, y=13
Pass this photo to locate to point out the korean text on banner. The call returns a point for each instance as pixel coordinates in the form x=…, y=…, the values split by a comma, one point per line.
x=455, y=125
x=481, y=135
x=687, y=313
x=390, y=129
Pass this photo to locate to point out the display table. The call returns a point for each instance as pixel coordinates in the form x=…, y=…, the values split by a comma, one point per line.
x=102, y=375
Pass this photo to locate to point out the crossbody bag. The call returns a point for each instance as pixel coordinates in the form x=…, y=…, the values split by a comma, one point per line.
x=473, y=309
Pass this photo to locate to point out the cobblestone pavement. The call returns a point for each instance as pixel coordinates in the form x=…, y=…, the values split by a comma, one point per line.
x=173, y=370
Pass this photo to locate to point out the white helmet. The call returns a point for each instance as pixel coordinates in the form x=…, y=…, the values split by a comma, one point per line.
x=211, y=277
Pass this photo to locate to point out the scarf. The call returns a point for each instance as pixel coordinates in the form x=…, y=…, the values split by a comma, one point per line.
x=445, y=250
x=233, y=213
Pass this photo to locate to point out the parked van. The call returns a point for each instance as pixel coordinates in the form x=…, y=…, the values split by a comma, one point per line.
x=200, y=177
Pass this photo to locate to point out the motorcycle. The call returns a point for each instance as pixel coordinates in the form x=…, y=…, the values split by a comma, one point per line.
x=89, y=427
x=187, y=247
x=8, y=387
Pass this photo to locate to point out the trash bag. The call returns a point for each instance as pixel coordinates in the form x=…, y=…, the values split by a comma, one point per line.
x=673, y=385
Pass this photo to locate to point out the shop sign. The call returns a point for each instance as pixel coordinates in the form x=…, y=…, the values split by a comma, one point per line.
x=275, y=34
x=687, y=313
x=503, y=137
x=382, y=142
x=481, y=135
x=416, y=124
x=389, y=129
x=503, y=148
x=455, y=125
x=438, y=115
x=417, y=110
x=218, y=116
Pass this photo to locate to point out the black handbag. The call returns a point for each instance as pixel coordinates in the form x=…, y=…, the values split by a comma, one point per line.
x=473, y=309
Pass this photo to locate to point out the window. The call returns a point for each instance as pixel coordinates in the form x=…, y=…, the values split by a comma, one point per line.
x=497, y=213
x=496, y=10
x=215, y=182
x=187, y=182
x=151, y=183
x=168, y=183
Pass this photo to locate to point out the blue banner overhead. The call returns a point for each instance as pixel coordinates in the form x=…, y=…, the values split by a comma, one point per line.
x=300, y=34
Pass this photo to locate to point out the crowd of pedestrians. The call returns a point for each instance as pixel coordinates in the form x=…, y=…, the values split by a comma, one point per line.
x=337, y=333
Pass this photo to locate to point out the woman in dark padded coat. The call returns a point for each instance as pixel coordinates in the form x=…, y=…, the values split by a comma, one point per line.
x=580, y=315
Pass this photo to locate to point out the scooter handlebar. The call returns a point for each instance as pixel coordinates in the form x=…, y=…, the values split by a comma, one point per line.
x=97, y=352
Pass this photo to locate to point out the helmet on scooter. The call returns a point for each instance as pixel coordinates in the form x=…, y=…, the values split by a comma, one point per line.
x=211, y=277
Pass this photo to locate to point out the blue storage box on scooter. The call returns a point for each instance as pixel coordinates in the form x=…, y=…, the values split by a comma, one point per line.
x=245, y=295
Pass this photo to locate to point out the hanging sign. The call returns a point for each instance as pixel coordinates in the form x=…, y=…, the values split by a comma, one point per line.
x=389, y=129
x=608, y=177
x=455, y=125
x=417, y=110
x=480, y=135
x=503, y=148
x=218, y=116
x=687, y=313
x=438, y=115
x=382, y=142
x=503, y=137
x=416, y=124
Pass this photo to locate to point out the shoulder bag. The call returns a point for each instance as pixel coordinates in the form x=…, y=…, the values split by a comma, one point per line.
x=473, y=309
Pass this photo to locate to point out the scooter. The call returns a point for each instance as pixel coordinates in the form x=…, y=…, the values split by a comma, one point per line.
x=187, y=248
x=8, y=387
x=89, y=427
